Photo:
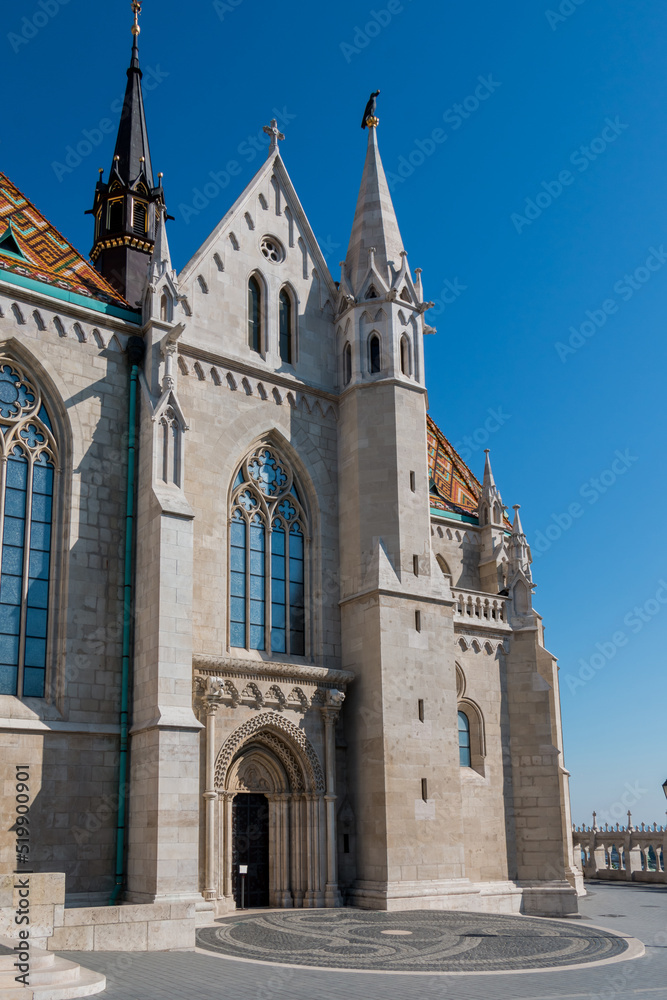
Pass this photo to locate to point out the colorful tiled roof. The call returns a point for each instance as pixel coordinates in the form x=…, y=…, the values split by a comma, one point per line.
x=44, y=254
x=453, y=486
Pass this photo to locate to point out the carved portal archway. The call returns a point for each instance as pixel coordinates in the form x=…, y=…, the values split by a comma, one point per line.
x=269, y=755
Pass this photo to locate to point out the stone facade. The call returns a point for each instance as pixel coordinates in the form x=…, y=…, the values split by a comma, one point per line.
x=287, y=411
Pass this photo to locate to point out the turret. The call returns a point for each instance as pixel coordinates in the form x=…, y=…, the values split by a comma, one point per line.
x=519, y=579
x=493, y=554
x=126, y=206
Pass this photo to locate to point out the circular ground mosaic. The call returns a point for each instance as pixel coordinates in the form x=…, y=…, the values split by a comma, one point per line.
x=412, y=941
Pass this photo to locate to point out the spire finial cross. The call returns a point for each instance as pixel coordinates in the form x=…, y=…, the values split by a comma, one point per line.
x=136, y=8
x=276, y=135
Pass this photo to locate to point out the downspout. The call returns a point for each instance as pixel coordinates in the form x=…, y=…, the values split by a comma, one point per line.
x=135, y=353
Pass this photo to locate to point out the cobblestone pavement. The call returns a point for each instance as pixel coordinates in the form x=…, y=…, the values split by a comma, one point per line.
x=636, y=910
x=415, y=941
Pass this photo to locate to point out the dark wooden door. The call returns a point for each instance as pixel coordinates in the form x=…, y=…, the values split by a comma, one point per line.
x=250, y=838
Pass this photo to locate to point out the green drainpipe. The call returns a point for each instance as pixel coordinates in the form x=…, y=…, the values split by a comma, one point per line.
x=135, y=353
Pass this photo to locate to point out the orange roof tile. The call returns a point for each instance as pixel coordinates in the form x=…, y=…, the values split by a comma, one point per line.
x=45, y=255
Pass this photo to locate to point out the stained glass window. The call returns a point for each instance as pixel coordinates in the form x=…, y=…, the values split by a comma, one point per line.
x=464, y=740
x=267, y=557
x=27, y=470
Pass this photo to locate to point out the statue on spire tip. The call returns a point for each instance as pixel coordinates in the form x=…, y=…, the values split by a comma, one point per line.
x=369, y=118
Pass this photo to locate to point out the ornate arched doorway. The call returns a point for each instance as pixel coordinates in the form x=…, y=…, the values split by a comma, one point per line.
x=269, y=757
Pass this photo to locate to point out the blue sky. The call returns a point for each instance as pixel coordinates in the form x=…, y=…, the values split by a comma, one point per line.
x=537, y=211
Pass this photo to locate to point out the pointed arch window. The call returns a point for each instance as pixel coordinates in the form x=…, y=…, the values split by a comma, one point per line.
x=268, y=540
x=405, y=356
x=254, y=315
x=115, y=215
x=347, y=364
x=465, y=759
x=374, y=353
x=27, y=470
x=285, y=324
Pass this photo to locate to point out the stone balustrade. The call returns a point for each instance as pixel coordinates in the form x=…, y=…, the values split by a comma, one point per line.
x=480, y=608
x=621, y=853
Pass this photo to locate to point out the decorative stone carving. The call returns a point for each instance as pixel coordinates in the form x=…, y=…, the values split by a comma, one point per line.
x=252, y=777
x=276, y=731
x=252, y=694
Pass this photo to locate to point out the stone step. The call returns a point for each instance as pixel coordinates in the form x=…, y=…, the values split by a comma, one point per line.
x=51, y=977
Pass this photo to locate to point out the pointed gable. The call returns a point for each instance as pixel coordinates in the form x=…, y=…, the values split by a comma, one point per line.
x=44, y=254
x=271, y=177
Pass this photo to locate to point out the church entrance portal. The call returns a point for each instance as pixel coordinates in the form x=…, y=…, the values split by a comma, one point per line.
x=250, y=846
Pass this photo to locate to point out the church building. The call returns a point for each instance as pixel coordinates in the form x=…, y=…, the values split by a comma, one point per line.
x=264, y=637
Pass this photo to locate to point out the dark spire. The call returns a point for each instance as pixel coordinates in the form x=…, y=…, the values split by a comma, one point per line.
x=132, y=139
x=125, y=206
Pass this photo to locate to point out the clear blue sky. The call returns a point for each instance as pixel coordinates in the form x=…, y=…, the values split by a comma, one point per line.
x=595, y=78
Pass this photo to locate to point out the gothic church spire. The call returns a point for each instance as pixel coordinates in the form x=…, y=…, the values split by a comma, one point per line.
x=127, y=206
x=375, y=226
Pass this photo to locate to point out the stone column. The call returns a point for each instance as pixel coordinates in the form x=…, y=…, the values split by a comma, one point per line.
x=274, y=851
x=329, y=711
x=227, y=799
x=296, y=848
x=210, y=797
x=312, y=895
x=283, y=894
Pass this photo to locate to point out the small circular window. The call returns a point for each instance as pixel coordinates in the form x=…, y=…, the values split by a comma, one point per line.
x=272, y=249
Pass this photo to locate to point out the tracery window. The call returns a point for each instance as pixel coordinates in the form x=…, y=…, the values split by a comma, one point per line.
x=267, y=557
x=464, y=740
x=28, y=461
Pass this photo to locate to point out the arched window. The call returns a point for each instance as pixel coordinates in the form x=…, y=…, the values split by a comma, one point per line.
x=165, y=307
x=405, y=356
x=29, y=460
x=347, y=364
x=254, y=315
x=285, y=327
x=374, y=353
x=267, y=557
x=465, y=759
x=115, y=215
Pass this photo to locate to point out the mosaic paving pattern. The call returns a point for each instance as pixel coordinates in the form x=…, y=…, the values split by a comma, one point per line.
x=408, y=942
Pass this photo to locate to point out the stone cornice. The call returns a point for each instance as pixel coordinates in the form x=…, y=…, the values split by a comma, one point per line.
x=229, y=666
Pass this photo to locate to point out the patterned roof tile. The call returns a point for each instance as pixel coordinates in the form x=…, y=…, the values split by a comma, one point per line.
x=44, y=254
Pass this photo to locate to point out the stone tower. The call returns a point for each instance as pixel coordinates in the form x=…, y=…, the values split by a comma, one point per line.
x=401, y=716
x=126, y=207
